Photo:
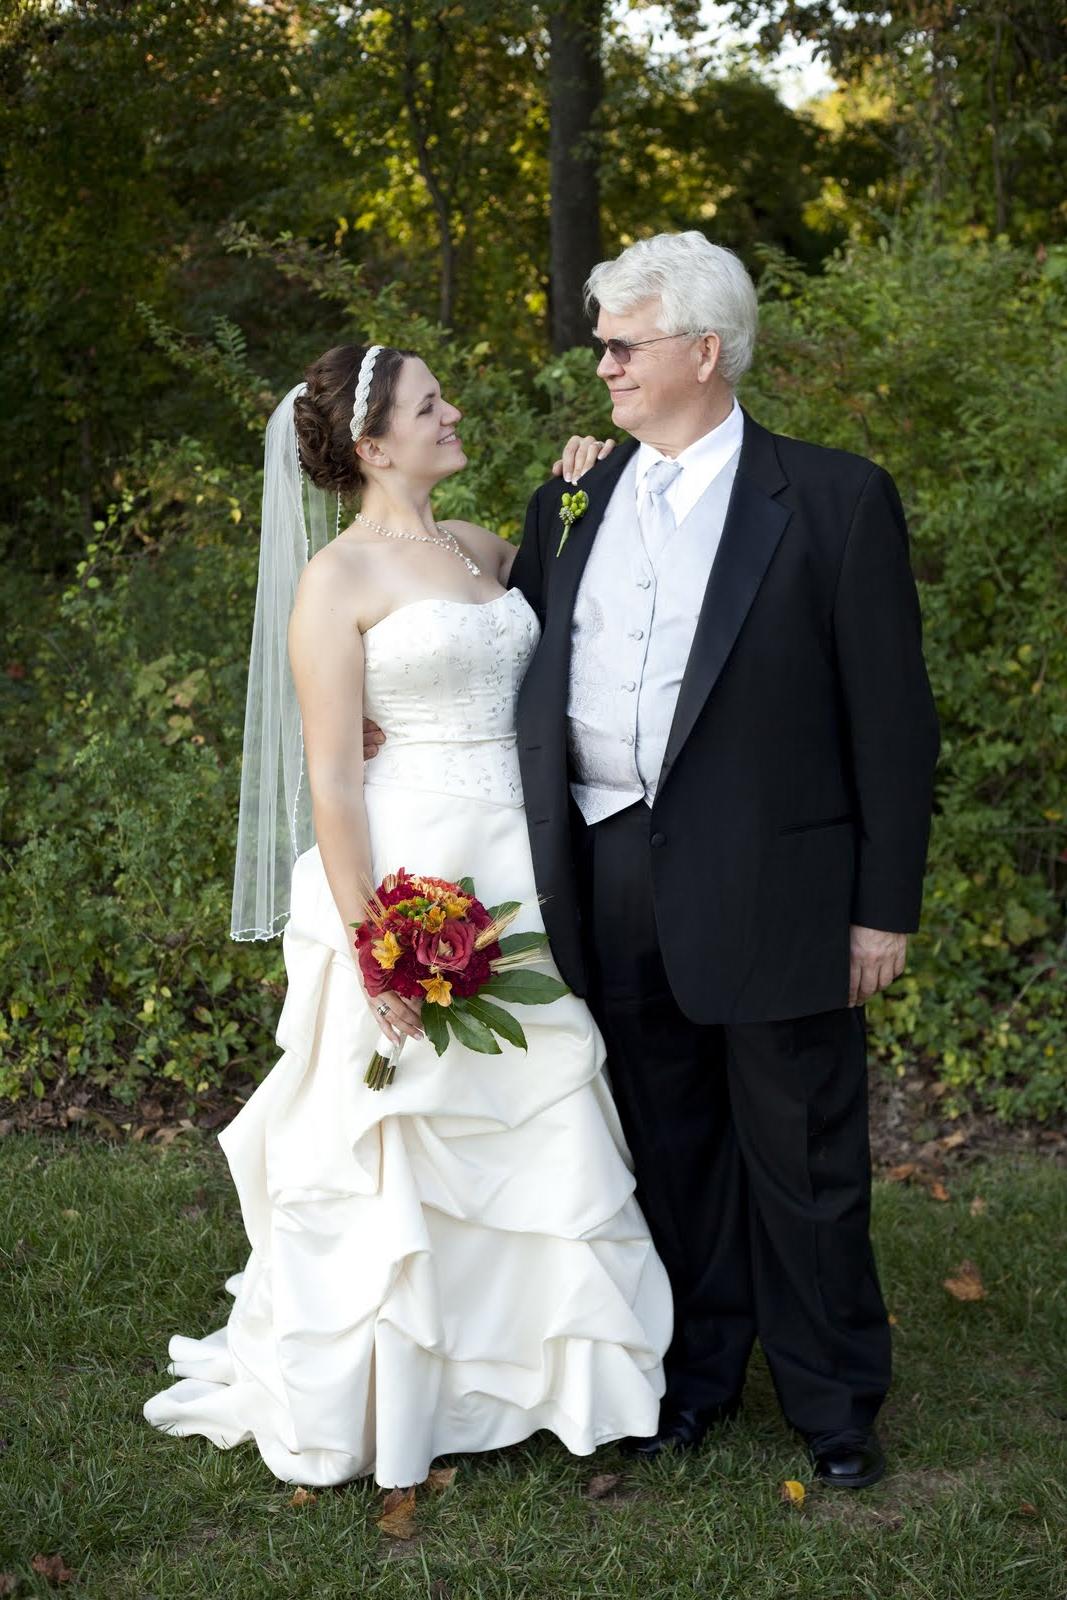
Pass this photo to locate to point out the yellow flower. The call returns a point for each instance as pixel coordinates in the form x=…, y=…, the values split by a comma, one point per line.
x=456, y=905
x=386, y=951
x=438, y=990
x=434, y=919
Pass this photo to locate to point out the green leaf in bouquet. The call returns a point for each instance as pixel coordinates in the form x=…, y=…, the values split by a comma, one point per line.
x=513, y=944
x=466, y=885
x=497, y=1018
x=525, y=988
x=434, y=1026
x=469, y=1031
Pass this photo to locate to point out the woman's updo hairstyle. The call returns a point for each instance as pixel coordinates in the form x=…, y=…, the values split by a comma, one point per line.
x=323, y=413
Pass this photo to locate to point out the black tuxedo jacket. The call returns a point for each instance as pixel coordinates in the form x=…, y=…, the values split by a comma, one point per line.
x=795, y=793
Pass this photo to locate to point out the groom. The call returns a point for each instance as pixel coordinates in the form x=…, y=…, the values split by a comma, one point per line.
x=727, y=741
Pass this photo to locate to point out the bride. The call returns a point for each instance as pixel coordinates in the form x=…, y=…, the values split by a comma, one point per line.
x=456, y=1261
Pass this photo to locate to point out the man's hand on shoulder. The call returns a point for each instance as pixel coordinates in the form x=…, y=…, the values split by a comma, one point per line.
x=875, y=960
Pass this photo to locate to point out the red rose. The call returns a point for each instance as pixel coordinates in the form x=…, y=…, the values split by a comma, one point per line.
x=450, y=949
x=375, y=978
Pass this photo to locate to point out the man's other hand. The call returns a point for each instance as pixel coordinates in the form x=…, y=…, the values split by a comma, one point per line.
x=875, y=960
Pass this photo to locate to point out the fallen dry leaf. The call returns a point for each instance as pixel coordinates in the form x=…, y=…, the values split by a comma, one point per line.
x=302, y=1497
x=602, y=1484
x=792, y=1492
x=52, y=1568
x=967, y=1284
x=8, y=1583
x=952, y=1141
x=1026, y=1509
x=106, y=1125
x=167, y=1135
x=398, y=1514
x=938, y=1191
x=440, y=1479
x=977, y=1206
x=892, y=1320
x=70, y=1214
x=901, y=1174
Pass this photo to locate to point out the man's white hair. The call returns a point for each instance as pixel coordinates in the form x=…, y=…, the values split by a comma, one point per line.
x=703, y=288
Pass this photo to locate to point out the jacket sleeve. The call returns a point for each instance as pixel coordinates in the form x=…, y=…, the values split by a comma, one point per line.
x=889, y=708
x=527, y=570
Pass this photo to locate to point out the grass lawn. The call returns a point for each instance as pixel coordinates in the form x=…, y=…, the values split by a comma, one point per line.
x=105, y=1251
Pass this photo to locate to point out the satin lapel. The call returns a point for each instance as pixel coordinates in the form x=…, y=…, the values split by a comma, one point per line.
x=568, y=566
x=754, y=523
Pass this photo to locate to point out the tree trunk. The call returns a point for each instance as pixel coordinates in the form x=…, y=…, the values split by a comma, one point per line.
x=575, y=90
x=439, y=198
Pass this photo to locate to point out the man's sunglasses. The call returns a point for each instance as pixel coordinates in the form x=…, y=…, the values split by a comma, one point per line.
x=621, y=350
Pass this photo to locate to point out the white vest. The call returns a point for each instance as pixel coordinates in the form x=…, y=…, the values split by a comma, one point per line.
x=631, y=633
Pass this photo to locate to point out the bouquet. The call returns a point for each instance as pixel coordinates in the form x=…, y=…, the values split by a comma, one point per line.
x=435, y=941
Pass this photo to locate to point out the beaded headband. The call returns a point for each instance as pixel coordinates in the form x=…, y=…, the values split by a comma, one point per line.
x=363, y=383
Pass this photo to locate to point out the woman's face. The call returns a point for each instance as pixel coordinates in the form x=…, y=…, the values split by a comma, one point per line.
x=421, y=443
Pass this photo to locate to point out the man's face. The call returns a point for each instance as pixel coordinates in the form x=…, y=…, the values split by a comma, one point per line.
x=659, y=381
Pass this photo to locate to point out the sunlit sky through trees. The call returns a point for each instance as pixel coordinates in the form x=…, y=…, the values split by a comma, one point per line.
x=796, y=73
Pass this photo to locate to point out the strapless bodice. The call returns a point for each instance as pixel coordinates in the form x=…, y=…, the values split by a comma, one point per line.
x=441, y=679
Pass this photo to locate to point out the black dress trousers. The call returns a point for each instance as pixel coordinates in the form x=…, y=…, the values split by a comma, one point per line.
x=751, y=1151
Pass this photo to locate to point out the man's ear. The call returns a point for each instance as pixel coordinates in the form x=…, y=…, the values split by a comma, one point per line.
x=708, y=356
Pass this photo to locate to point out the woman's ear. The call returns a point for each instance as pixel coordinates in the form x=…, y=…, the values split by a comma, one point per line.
x=371, y=452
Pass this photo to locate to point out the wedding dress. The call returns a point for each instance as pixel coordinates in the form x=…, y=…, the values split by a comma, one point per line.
x=456, y=1261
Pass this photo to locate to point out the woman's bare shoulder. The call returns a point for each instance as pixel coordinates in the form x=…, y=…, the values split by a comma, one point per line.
x=342, y=576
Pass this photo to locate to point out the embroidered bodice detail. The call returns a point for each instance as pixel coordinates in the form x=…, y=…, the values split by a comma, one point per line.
x=441, y=680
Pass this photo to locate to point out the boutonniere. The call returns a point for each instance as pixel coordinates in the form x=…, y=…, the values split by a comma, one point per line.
x=572, y=506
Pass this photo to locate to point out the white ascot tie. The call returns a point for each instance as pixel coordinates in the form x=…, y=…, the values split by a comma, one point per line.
x=655, y=516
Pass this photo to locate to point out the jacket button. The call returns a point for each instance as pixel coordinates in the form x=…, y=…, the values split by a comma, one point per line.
x=657, y=839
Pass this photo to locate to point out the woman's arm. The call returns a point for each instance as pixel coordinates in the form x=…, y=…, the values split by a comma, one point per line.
x=326, y=655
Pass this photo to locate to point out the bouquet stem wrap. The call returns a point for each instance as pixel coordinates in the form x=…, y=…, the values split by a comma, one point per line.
x=382, y=1068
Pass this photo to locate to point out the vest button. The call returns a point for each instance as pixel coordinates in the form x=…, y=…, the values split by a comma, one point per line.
x=644, y=583
x=638, y=633
x=629, y=685
x=657, y=839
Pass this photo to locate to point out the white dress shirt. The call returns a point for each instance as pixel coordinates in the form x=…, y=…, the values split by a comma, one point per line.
x=701, y=462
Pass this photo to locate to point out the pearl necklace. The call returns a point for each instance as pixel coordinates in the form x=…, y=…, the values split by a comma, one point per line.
x=449, y=542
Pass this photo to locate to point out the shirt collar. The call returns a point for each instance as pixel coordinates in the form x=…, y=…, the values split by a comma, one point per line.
x=707, y=454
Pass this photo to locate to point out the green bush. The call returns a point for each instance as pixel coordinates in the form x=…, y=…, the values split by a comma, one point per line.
x=124, y=693
x=944, y=360
x=117, y=856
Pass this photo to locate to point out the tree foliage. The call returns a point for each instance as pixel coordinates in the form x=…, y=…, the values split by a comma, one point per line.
x=198, y=198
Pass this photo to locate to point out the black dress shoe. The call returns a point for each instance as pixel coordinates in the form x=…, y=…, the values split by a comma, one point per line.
x=847, y=1460
x=680, y=1430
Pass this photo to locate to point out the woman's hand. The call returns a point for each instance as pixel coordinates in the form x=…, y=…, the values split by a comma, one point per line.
x=397, y=1017
x=579, y=454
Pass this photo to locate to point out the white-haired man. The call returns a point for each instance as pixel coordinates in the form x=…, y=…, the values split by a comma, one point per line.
x=727, y=742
